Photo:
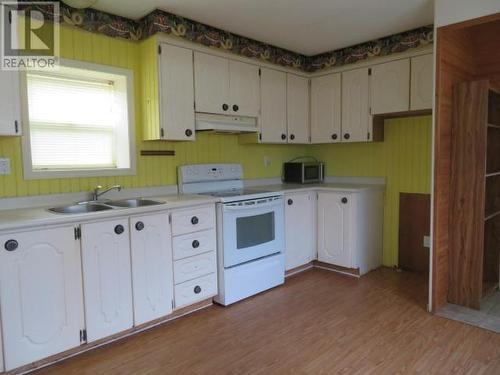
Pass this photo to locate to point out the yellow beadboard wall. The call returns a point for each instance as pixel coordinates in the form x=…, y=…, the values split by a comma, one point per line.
x=151, y=170
x=404, y=159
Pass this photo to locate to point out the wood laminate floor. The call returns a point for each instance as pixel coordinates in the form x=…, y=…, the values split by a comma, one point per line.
x=319, y=322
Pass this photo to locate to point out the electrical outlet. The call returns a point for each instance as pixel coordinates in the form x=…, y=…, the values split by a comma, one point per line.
x=4, y=166
x=427, y=241
x=267, y=161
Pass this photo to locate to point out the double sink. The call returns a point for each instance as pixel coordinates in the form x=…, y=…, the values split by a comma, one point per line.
x=94, y=206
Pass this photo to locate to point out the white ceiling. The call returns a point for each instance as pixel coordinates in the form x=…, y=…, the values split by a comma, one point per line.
x=305, y=26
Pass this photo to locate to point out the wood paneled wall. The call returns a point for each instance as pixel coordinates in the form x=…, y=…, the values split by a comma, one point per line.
x=464, y=52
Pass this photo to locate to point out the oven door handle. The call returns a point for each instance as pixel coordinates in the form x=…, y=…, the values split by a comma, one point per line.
x=273, y=203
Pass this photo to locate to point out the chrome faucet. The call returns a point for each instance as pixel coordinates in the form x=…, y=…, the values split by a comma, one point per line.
x=96, y=193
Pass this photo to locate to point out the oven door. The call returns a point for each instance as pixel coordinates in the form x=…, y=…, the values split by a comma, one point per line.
x=252, y=229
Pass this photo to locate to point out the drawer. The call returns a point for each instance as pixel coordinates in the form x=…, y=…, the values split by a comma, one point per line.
x=193, y=267
x=195, y=290
x=192, y=244
x=192, y=220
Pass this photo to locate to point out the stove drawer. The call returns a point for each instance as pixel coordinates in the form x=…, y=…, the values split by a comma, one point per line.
x=195, y=290
x=192, y=244
x=193, y=219
x=193, y=267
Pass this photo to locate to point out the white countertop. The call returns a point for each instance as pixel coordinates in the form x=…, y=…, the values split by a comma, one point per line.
x=33, y=217
x=23, y=218
x=346, y=187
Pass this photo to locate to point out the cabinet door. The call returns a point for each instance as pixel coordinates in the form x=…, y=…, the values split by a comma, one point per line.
x=152, y=280
x=334, y=210
x=300, y=229
x=176, y=93
x=107, y=281
x=355, y=105
x=297, y=105
x=10, y=113
x=244, y=89
x=422, y=68
x=326, y=112
x=40, y=294
x=273, y=106
x=211, y=83
x=390, y=87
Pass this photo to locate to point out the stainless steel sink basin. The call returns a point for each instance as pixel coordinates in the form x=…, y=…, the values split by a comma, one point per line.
x=80, y=208
x=136, y=202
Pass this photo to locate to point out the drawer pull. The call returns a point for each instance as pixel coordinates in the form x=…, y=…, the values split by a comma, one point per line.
x=197, y=289
x=344, y=200
x=194, y=220
x=119, y=229
x=290, y=202
x=196, y=244
x=11, y=245
x=139, y=225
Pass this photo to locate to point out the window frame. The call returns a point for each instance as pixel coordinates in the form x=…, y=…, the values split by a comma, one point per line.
x=34, y=174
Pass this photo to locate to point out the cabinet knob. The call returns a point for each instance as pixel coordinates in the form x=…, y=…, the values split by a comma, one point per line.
x=292, y=136
x=139, y=225
x=197, y=289
x=195, y=244
x=194, y=220
x=188, y=132
x=235, y=108
x=347, y=136
x=344, y=200
x=334, y=136
x=283, y=136
x=290, y=202
x=225, y=107
x=119, y=229
x=11, y=245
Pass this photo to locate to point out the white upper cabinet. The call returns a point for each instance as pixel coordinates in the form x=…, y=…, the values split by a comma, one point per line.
x=226, y=86
x=107, y=280
x=40, y=294
x=176, y=93
x=326, y=109
x=300, y=229
x=211, y=83
x=297, y=97
x=244, y=89
x=422, y=68
x=356, y=120
x=151, y=244
x=10, y=112
x=390, y=87
x=334, y=228
x=273, y=106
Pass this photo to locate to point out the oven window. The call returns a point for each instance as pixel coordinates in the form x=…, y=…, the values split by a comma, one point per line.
x=254, y=230
x=311, y=173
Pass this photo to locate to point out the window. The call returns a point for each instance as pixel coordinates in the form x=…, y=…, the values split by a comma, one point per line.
x=80, y=120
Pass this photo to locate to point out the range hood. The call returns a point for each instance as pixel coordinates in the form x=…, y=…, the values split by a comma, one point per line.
x=226, y=124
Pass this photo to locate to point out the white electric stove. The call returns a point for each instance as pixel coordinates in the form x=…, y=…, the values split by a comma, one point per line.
x=250, y=229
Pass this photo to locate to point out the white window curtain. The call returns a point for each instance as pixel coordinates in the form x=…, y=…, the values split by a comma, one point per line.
x=72, y=122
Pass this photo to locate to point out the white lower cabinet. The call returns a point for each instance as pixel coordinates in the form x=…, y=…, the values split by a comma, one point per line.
x=350, y=225
x=151, y=248
x=40, y=294
x=300, y=228
x=334, y=228
x=107, y=280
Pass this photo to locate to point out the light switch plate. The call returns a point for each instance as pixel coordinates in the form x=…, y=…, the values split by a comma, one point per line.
x=4, y=166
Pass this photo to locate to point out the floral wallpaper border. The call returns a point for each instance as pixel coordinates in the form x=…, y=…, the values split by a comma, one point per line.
x=161, y=21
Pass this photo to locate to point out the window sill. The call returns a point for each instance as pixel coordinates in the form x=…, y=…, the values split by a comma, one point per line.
x=74, y=173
